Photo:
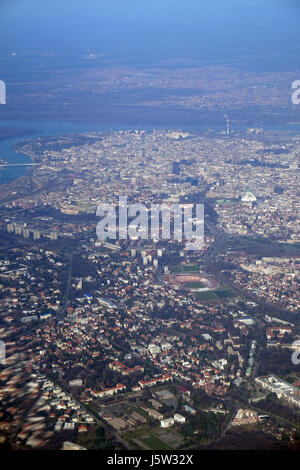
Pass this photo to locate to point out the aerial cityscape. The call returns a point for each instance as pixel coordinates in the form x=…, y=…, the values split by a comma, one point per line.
x=133, y=341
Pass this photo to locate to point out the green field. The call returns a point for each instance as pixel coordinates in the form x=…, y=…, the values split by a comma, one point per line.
x=155, y=443
x=261, y=246
x=215, y=294
x=184, y=269
x=224, y=293
x=155, y=438
x=206, y=295
x=195, y=285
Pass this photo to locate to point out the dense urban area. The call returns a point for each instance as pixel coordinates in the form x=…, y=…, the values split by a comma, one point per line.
x=142, y=343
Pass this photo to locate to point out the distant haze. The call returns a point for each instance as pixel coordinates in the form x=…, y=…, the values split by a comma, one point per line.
x=186, y=28
x=160, y=62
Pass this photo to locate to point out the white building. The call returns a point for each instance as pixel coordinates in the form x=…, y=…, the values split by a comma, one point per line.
x=283, y=390
x=248, y=197
x=75, y=383
x=154, y=349
x=166, y=423
x=179, y=418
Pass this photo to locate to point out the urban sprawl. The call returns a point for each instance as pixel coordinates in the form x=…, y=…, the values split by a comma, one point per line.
x=141, y=343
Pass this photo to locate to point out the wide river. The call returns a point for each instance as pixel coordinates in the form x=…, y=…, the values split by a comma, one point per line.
x=51, y=128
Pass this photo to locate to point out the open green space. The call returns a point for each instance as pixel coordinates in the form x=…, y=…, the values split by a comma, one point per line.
x=206, y=295
x=224, y=293
x=155, y=438
x=184, y=269
x=155, y=443
x=261, y=246
x=195, y=285
x=215, y=294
